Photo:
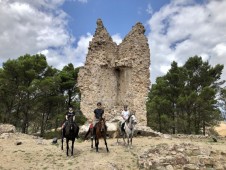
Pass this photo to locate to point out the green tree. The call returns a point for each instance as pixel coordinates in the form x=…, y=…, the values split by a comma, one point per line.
x=185, y=98
x=69, y=76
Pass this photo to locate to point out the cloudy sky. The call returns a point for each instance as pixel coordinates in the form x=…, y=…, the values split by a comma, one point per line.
x=62, y=29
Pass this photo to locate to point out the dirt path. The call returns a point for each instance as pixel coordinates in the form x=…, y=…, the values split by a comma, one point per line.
x=41, y=154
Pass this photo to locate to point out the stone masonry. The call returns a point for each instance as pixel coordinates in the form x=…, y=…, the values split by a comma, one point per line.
x=116, y=75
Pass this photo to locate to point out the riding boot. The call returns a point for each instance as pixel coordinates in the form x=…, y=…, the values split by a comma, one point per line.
x=122, y=129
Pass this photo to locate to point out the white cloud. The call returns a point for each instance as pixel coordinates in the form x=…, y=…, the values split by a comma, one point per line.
x=39, y=27
x=183, y=29
x=69, y=54
x=25, y=28
x=220, y=49
x=117, y=38
x=149, y=9
x=82, y=1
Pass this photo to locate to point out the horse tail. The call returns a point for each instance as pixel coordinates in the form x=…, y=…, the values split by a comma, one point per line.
x=87, y=133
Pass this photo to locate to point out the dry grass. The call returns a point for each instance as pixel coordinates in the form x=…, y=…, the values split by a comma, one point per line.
x=47, y=156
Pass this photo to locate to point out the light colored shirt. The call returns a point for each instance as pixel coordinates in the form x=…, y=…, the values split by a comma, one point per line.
x=125, y=114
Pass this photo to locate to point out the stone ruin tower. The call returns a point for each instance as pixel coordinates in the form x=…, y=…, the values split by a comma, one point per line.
x=116, y=75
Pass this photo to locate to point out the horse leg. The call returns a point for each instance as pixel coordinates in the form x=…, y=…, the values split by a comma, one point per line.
x=105, y=141
x=67, y=141
x=91, y=130
x=124, y=136
x=96, y=143
x=131, y=142
x=91, y=142
x=118, y=134
x=128, y=141
x=72, y=146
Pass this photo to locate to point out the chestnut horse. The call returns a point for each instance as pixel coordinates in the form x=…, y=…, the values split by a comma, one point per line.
x=100, y=131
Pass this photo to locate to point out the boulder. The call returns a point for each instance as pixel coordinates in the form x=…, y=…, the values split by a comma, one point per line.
x=7, y=128
x=146, y=131
x=111, y=129
x=54, y=141
x=5, y=135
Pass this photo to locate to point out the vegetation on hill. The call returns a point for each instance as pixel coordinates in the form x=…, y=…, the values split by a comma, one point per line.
x=185, y=100
x=35, y=96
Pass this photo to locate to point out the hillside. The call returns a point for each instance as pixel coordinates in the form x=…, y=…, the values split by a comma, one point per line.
x=37, y=153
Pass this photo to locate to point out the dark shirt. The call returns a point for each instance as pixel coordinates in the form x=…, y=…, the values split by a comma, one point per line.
x=98, y=113
x=69, y=114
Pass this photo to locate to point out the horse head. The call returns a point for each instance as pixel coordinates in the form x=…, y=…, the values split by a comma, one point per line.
x=102, y=122
x=133, y=119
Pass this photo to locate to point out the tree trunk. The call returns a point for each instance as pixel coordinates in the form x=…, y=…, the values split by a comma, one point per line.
x=189, y=123
x=203, y=128
x=25, y=123
x=42, y=125
x=159, y=121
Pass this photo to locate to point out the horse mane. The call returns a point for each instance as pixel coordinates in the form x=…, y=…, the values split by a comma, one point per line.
x=127, y=121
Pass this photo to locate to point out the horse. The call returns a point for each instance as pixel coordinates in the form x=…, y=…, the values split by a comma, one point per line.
x=100, y=130
x=70, y=132
x=128, y=130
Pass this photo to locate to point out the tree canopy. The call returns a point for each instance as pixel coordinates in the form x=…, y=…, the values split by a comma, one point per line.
x=35, y=96
x=185, y=99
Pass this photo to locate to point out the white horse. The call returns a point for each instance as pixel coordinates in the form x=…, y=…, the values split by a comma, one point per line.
x=129, y=130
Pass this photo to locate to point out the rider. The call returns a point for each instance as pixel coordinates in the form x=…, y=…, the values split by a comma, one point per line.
x=125, y=115
x=68, y=115
x=98, y=114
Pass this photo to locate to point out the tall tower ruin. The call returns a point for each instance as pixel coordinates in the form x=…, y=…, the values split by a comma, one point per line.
x=116, y=75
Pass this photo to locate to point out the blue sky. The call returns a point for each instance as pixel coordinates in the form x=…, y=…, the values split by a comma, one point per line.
x=62, y=29
x=118, y=15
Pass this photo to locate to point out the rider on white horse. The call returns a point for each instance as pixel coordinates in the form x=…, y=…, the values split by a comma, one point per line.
x=125, y=115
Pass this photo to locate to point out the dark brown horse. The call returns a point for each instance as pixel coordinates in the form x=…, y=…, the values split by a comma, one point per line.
x=70, y=132
x=100, y=131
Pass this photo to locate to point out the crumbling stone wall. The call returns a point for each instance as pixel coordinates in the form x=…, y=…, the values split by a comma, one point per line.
x=116, y=75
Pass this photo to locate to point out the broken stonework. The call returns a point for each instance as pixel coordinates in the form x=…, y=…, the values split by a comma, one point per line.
x=116, y=75
x=180, y=156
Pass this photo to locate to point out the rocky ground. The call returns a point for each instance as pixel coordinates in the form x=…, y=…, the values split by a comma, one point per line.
x=20, y=151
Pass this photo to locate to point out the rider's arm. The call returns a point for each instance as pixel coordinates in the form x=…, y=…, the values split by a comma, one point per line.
x=94, y=115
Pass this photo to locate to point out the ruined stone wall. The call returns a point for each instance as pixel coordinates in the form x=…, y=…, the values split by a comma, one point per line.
x=116, y=75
